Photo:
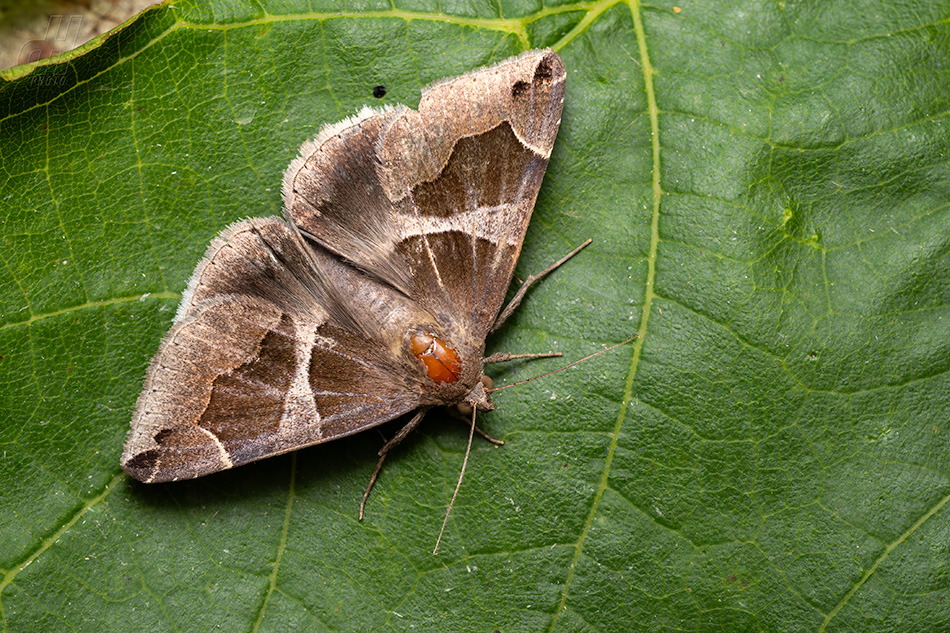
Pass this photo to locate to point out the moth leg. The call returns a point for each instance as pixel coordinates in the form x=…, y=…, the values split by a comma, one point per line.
x=516, y=300
x=489, y=437
x=504, y=357
x=400, y=436
x=458, y=415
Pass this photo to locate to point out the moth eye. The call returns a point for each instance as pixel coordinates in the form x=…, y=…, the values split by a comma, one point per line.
x=440, y=360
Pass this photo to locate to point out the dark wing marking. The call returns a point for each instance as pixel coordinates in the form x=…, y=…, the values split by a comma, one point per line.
x=436, y=202
x=258, y=362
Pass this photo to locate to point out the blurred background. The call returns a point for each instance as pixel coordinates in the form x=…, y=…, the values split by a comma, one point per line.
x=31, y=30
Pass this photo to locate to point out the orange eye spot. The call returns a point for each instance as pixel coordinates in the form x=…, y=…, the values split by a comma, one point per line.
x=442, y=363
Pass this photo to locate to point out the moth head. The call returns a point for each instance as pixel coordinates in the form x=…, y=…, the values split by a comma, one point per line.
x=478, y=398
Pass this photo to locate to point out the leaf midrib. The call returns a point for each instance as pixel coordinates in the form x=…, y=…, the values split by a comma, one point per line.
x=647, y=70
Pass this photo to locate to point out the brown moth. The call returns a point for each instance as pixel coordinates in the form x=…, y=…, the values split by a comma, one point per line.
x=372, y=298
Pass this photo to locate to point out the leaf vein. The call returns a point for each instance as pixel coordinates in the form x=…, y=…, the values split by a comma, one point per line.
x=647, y=70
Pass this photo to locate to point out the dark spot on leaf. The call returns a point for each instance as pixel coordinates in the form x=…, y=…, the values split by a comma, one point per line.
x=731, y=579
x=781, y=79
x=813, y=356
x=379, y=92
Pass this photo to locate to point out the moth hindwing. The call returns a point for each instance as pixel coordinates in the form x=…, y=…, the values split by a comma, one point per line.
x=373, y=296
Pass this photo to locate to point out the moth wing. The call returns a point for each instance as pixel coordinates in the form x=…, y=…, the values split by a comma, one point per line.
x=436, y=202
x=263, y=359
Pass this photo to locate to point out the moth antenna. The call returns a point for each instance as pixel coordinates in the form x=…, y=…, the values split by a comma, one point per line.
x=468, y=449
x=576, y=362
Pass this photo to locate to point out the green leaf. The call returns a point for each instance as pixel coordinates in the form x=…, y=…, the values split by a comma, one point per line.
x=767, y=186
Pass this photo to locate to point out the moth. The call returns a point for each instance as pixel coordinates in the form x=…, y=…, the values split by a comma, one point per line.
x=373, y=296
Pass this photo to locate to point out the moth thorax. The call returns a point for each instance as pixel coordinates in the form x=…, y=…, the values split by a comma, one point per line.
x=442, y=363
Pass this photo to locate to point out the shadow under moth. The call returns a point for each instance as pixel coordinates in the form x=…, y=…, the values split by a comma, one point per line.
x=372, y=297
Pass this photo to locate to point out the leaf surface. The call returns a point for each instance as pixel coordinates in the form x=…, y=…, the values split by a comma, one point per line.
x=767, y=189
